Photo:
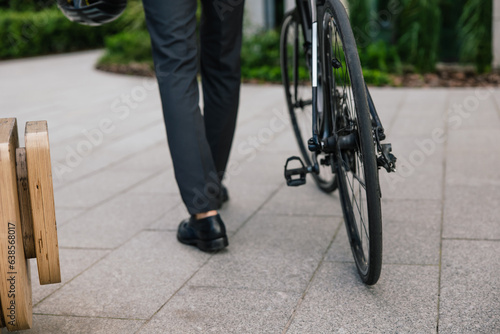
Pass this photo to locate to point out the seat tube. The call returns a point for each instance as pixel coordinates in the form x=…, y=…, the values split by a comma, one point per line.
x=314, y=60
x=314, y=32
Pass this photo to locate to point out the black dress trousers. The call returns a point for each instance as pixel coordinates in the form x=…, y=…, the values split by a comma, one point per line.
x=199, y=144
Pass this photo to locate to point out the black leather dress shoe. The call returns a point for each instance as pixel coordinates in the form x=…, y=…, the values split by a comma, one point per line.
x=208, y=234
x=223, y=196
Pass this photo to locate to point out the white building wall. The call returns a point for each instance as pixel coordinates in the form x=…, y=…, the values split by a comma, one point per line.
x=496, y=34
x=289, y=4
x=255, y=14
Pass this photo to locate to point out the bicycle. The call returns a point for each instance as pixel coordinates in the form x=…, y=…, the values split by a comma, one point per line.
x=328, y=99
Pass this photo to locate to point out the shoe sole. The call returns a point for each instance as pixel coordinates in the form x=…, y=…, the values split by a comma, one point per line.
x=207, y=245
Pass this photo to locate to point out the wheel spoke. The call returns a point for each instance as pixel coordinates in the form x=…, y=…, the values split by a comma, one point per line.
x=361, y=183
x=349, y=116
x=358, y=205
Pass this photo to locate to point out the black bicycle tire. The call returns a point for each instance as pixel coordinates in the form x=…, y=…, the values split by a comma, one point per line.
x=371, y=273
x=325, y=186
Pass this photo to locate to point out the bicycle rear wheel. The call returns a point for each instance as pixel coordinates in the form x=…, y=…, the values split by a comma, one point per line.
x=298, y=91
x=355, y=163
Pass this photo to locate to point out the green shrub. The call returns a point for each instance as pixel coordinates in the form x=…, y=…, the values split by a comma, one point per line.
x=128, y=47
x=133, y=18
x=418, y=30
x=359, y=16
x=24, y=34
x=449, y=41
x=26, y=5
x=381, y=56
x=376, y=77
x=474, y=31
x=260, y=56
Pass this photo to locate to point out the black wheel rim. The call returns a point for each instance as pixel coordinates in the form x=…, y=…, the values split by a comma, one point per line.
x=350, y=164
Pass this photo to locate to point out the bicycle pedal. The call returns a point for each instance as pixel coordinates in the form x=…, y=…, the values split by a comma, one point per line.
x=292, y=181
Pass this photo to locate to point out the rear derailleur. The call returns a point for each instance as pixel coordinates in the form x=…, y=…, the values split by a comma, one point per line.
x=385, y=158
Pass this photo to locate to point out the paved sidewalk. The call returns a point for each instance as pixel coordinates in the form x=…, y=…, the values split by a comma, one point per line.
x=288, y=268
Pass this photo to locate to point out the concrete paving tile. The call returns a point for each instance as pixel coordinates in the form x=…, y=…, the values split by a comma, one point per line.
x=411, y=234
x=418, y=125
x=170, y=221
x=259, y=167
x=270, y=253
x=482, y=141
x=258, y=99
x=70, y=168
x=244, y=200
x=307, y=200
x=104, y=159
x=237, y=213
x=340, y=251
x=467, y=113
x=72, y=262
x=241, y=191
x=425, y=114
x=71, y=132
x=427, y=104
x=137, y=141
x=470, y=298
x=221, y=310
x=417, y=182
x=43, y=324
x=108, y=149
x=495, y=92
x=411, y=211
x=86, y=125
x=473, y=167
x=132, y=282
x=388, y=102
x=273, y=251
x=403, y=301
x=154, y=158
x=163, y=182
x=64, y=216
x=419, y=97
x=432, y=146
x=263, y=128
x=114, y=222
x=284, y=142
x=419, y=169
x=96, y=188
x=472, y=212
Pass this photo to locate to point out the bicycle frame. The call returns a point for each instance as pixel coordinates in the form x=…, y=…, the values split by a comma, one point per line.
x=346, y=130
x=308, y=14
x=307, y=11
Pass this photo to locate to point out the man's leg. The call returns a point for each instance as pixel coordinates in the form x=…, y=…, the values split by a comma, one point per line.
x=221, y=34
x=172, y=26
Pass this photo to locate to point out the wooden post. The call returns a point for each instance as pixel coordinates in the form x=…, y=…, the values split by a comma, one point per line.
x=15, y=282
x=41, y=191
x=25, y=204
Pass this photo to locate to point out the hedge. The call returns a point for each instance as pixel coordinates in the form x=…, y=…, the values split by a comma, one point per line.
x=128, y=47
x=24, y=34
x=260, y=59
x=26, y=5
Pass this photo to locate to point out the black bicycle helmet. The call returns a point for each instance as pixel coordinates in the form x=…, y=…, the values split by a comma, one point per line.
x=92, y=12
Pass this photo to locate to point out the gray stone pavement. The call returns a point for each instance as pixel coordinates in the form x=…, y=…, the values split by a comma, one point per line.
x=288, y=268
